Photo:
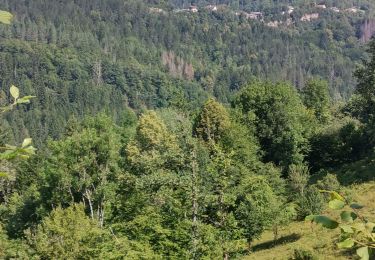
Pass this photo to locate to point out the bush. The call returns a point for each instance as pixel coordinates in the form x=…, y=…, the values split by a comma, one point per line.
x=310, y=203
x=298, y=178
x=302, y=254
x=329, y=182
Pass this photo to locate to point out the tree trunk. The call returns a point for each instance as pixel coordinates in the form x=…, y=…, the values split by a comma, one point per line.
x=88, y=197
x=194, y=191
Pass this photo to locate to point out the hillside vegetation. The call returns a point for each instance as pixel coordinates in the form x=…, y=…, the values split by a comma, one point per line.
x=148, y=130
x=314, y=239
x=77, y=56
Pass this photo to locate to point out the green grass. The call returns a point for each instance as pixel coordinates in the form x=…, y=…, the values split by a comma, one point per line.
x=358, y=179
x=312, y=237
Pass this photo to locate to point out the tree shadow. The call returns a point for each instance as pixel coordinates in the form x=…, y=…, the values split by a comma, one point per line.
x=273, y=243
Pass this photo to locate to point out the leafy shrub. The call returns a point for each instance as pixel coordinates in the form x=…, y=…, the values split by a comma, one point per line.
x=356, y=230
x=298, y=178
x=302, y=254
x=329, y=182
x=311, y=202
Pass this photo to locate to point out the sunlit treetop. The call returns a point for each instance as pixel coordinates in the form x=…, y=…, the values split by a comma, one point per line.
x=5, y=17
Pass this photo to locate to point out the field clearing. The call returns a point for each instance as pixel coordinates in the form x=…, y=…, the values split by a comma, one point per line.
x=312, y=237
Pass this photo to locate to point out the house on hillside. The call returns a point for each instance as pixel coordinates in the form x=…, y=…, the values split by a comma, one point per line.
x=254, y=15
x=309, y=17
x=273, y=24
x=353, y=10
x=212, y=8
x=157, y=10
x=193, y=9
x=335, y=9
x=321, y=6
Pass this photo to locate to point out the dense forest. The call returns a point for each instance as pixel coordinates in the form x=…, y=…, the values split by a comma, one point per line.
x=160, y=132
x=82, y=57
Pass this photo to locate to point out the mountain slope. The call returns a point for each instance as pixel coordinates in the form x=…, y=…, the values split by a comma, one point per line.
x=85, y=56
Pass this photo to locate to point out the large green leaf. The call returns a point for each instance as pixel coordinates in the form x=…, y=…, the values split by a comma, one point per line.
x=310, y=217
x=347, y=243
x=347, y=229
x=26, y=142
x=334, y=195
x=25, y=100
x=5, y=17
x=336, y=204
x=323, y=220
x=356, y=206
x=348, y=216
x=15, y=92
x=363, y=253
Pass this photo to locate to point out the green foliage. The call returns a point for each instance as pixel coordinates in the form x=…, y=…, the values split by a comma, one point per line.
x=316, y=97
x=279, y=118
x=362, y=105
x=70, y=234
x=259, y=207
x=356, y=230
x=23, y=152
x=11, y=152
x=170, y=185
x=301, y=254
x=339, y=142
x=307, y=197
x=66, y=234
x=14, y=249
x=212, y=122
x=84, y=167
x=365, y=87
x=329, y=182
x=299, y=176
x=5, y=17
x=15, y=93
x=153, y=147
x=147, y=60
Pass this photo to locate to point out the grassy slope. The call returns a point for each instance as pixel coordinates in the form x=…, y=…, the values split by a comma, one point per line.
x=302, y=235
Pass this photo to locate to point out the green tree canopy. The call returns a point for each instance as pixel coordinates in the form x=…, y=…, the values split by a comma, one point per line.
x=5, y=17
x=70, y=234
x=280, y=121
x=316, y=97
x=212, y=122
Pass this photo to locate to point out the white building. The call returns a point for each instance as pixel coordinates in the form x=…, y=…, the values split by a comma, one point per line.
x=309, y=17
x=273, y=24
x=254, y=15
x=211, y=8
x=157, y=10
x=193, y=9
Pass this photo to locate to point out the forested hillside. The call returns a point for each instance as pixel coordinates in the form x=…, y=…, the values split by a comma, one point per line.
x=82, y=57
x=175, y=130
